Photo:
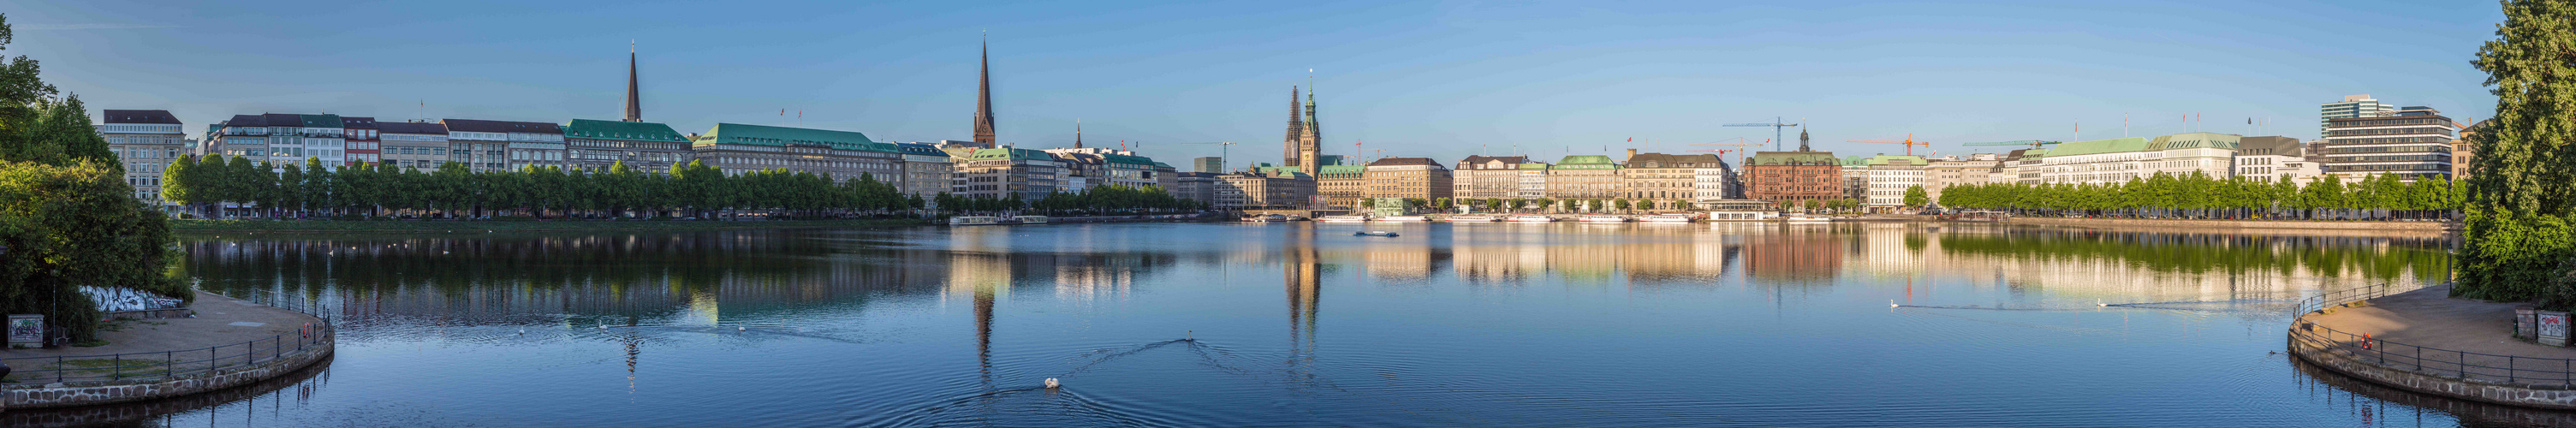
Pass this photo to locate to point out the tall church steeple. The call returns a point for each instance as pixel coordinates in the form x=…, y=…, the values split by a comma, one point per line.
x=1310, y=151
x=1289, y=146
x=1077, y=133
x=634, y=99
x=1802, y=141
x=984, y=95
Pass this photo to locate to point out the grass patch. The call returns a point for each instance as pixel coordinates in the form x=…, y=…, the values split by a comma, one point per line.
x=112, y=367
x=447, y=226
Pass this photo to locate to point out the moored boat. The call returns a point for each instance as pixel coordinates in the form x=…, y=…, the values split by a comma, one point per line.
x=1531, y=219
x=1473, y=218
x=1741, y=216
x=1666, y=218
x=1379, y=233
x=1597, y=218
x=1342, y=218
x=1806, y=219
x=1404, y=218
x=973, y=220
x=1029, y=219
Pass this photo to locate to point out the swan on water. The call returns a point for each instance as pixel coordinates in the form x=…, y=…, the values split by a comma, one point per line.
x=741, y=328
x=603, y=326
x=1891, y=303
x=2098, y=302
x=1052, y=384
x=523, y=330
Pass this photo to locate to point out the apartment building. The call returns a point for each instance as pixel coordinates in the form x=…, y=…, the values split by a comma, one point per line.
x=841, y=155
x=1584, y=177
x=1403, y=177
x=496, y=145
x=645, y=147
x=145, y=141
x=418, y=146
x=1484, y=177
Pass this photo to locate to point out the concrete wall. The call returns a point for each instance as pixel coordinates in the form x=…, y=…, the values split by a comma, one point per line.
x=2547, y=397
x=68, y=396
x=2427, y=226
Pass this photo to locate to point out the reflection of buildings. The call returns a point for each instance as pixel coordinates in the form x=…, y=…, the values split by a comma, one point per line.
x=1802, y=253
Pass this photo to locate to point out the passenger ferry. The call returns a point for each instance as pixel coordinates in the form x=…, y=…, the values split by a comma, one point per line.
x=1531, y=219
x=1273, y=218
x=1806, y=219
x=1741, y=210
x=1473, y=218
x=973, y=220
x=1666, y=218
x=1596, y=218
x=1029, y=219
x=1342, y=218
x=1404, y=218
x=1743, y=216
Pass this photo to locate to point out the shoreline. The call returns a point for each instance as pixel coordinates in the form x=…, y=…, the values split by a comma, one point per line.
x=161, y=371
x=193, y=226
x=2425, y=342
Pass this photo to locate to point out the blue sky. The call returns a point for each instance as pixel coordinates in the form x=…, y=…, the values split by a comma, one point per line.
x=1437, y=79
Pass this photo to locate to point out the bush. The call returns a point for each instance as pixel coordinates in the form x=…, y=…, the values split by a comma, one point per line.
x=72, y=226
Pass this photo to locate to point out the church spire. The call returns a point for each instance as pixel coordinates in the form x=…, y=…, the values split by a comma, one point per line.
x=1077, y=133
x=634, y=100
x=1802, y=140
x=984, y=95
x=1289, y=147
x=1310, y=142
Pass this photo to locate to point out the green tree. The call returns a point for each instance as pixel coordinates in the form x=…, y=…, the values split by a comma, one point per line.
x=2520, y=210
x=1916, y=197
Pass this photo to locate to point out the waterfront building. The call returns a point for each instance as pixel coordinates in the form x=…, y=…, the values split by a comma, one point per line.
x=1488, y=177
x=2414, y=143
x=2118, y=160
x=1088, y=167
x=500, y=145
x=1793, y=178
x=1196, y=186
x=2019, y=166
x=1887, y=177
x=1338, y=186
x=841, y=155
x=1584, y=177
x=1165, y=176
x=1278, y=189
x=1953, y=171
x=418, y=146
x=1855, y=178
x=1533, y=180
x=2352, y=106
x=1667, y=177
x=145, y=141
x=279, y=138
x=1403, y=177
x=1208, y=164
x=646, y=147
x=927, y=171
x=2267, y=159
x=1008, y=172
x=1711, y=185
x=360, y=136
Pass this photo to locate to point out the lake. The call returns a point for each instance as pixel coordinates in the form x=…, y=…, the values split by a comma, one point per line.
x=1303, y=324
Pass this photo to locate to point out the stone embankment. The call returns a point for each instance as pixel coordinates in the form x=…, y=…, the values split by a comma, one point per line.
x=230, y=343
x=2426, y=342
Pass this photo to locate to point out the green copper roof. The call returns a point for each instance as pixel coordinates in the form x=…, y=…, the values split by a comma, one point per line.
x=1586, y=162
x=779, y=136
x=1535, y=166
x=1785, y=158
x=1011, y=154
x=1882, y=160
x=321, y=120
x=2094, y=147
x=1130, y=160
x=2194, y=140
x=1341, y=169
x=618, y=130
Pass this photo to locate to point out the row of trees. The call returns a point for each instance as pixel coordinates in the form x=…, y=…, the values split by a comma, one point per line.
x=208, y=185
x=2199, y=196
x=67, y=217
x=259, y=189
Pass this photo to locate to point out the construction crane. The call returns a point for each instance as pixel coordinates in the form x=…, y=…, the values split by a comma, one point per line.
x=1222, y=148
x=1739, y=153
x=1908, y=142
x=1776, y=125
x=1381, y=154
x=2032, y=143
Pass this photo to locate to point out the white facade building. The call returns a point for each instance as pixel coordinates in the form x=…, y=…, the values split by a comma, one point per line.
x=145, y=141
x=2120, y=159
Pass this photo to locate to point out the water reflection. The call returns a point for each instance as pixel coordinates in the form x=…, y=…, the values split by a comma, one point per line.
x=1047, y=301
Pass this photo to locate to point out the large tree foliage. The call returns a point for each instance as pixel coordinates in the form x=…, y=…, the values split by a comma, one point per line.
x=2521, y=225
x=67, y=217
x=2197, y=196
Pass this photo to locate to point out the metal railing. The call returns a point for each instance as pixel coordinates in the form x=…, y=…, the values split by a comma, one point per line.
x=166, y=365
x=2463, y=365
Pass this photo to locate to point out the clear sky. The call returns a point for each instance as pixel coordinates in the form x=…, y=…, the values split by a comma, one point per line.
x=1437, y=79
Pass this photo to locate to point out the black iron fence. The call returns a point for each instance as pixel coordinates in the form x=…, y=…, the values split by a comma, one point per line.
x=2464, y=365
x=164, y=365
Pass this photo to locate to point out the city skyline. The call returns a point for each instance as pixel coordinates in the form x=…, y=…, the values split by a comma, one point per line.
x=1447, y=92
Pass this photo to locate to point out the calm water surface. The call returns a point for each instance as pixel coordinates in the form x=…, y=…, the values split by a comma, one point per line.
x=1303, y=324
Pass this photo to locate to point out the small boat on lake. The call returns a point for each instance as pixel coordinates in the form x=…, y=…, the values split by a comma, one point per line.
x=1531, y=219
x=1379, y=233
x=1473, y=218
x=1029, y=219
x=1596, y=218
x=1806, y=219
x=1404, y=218
x=1666, y=218
x=974, y=220
x=1342, y=218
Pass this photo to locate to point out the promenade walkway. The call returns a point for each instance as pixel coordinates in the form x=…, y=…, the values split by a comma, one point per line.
x=230, y=342
x=2425, y=341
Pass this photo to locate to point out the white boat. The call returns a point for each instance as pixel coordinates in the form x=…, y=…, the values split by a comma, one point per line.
x=1744, y=216
x=1029, y=219
x=1375, y=233
x=1806, y=219
x=1596, y=218
x=1665, y=218
x=1530, y=219
x=1273, y=218
x=1342, y=218
x=1404, y=218
x=1473, y=218
x=973, y=220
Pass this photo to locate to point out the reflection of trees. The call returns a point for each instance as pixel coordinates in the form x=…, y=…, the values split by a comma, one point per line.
x=2373, y=258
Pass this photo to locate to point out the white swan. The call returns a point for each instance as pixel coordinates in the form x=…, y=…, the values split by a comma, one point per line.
x=523, y=330
x=603, y=326
x=741, y=328
x=1891, y=303
x=1052, y=384
x=2098, y=302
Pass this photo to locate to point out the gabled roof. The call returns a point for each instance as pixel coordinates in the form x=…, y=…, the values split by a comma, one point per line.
x=1484, y=162
x=320, y=120
x=358, y=122
x=920, y=149
x=157, y=117
x=411, y=128
x=780, y=136
x=247, y=120
x=474, y=125
x=1586, y=162
x=282, y=119
x=621, y=130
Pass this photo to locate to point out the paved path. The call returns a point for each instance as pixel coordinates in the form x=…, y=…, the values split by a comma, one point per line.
x=220, y=321
x=2429, y=319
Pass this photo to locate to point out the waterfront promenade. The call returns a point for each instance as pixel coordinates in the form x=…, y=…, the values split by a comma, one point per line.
x=230, y=342
x=2427, y=342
